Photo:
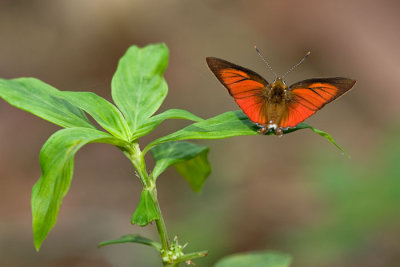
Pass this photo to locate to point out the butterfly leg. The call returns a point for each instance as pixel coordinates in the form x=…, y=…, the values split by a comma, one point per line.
x=278, y=131
x=263, y=129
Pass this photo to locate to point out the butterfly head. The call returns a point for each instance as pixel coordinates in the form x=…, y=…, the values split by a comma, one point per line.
x=278, y=91
x=279, y=83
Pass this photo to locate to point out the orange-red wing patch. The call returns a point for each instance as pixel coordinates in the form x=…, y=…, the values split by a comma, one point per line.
x=239, y=83
x=295, y=114
x=254, y=107
x=246, y=87
x=311, y=95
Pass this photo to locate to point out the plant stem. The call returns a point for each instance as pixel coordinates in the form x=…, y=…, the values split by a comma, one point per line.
x=135, y=155
x=161, y=228
x=171, y=254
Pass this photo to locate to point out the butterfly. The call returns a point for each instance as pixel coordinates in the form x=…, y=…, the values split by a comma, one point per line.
x=276, y=106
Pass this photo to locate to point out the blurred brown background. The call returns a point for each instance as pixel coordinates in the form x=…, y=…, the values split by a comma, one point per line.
x=295, y=194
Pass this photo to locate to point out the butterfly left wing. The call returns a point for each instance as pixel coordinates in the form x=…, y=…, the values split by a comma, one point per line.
x=308, y=96
x=244, y=85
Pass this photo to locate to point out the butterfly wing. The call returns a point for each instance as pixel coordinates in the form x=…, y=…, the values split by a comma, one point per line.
x=244, y=85
x=308, y=96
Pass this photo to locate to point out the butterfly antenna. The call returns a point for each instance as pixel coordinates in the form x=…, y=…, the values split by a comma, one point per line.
x=265, y=61
x=298, y=64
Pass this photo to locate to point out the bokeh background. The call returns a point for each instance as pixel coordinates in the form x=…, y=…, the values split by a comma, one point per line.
x=297, y=194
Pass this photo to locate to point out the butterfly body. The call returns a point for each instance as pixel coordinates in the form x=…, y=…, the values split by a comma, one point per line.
x=277, y=92
x=276, y=97
x=276, y=106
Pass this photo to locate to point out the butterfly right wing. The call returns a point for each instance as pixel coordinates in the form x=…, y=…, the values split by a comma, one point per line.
x=309, y=96
x=244, y=85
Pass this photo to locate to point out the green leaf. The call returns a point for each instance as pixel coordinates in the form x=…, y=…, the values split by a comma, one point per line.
x=171, y=153
x=255, y=259
x=105, y=113
x=56, y=160
x=323, y=134
x=132, y=239
x=195, y=170
x=154, y=121
x=146, y=211
x=191, y=256
x=189, y=159
x=138, y=85
x=42, y=100
x=228, y=124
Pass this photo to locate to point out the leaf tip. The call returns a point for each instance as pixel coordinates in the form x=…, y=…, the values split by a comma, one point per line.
x=205, y=253
x=37, y=244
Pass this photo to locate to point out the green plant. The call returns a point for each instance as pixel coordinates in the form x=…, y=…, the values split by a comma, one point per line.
x=138, y=90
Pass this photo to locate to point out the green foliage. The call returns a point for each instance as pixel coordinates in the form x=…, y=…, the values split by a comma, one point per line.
x=138, y=85
x=195, y=170
x=56, y=161
x=42, y=100
x=255, y=259
x=105, y=113
x=228, y=124
x=154, y=121
x=321, y=133
x=189, y=159
x=132, y=239
x=146, y=211
x=138, y=90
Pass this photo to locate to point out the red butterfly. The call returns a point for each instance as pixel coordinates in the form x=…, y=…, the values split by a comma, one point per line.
x=276, y=106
